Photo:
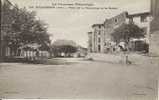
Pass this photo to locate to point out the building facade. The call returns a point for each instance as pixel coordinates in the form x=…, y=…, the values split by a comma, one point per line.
x=100, y=39
x=110, y=25
x=154, y=40
x=155, y=8
x=155, y=15
x=97, y=40
x=90, y=42
x=142, y=20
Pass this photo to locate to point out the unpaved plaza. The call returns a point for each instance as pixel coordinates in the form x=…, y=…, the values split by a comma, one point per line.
x=79, y=79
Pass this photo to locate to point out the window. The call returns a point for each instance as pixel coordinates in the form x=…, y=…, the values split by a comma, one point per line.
x=99, y=33
x=99, y=48
x=99, y=40
x=143, y=19
x=131, y=20
x=116, y=20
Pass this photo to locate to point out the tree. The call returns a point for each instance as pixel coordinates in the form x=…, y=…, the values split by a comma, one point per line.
x=24, y=28
x=127, y=31
x=30, y=30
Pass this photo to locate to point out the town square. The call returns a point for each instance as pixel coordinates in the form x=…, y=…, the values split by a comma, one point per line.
x=79, y=50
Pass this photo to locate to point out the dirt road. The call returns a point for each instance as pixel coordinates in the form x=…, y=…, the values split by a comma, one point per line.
x=81, y=79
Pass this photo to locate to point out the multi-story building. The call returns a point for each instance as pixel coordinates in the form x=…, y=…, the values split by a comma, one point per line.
x=97, y=40
x=100, y=38
x=113, y=23
x=109, y=26
x=142, y=20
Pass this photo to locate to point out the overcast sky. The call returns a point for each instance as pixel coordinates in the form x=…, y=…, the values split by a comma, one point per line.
x=73, y=24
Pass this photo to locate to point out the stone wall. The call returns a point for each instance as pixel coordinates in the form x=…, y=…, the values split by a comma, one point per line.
x=154, y=40
x=154, y=43
x=155, y=15
x=155, y=8
x=155, y=24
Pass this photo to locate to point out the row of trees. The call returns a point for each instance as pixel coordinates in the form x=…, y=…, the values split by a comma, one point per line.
x=127, y=31
x=23, y=27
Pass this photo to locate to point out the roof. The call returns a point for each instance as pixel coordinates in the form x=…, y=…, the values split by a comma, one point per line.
x=31, y=46
x=62, y=42
x=139, y=14
x=89, y=32
x=138, y=39
x=94, y=25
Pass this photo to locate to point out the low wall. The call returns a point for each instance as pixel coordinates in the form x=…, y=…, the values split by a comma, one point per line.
x=106, y=57
x=120, y=58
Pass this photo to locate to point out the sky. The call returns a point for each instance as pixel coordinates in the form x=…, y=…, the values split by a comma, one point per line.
x=74, y=24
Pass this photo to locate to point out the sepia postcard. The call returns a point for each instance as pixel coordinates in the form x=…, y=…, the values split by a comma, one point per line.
x=79, y=49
